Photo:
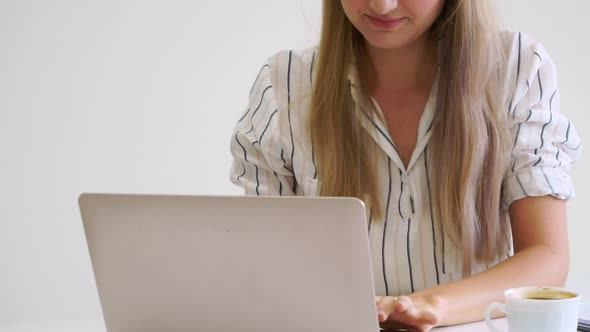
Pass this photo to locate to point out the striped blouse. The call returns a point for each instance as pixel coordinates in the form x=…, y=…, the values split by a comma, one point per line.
x=273, y=155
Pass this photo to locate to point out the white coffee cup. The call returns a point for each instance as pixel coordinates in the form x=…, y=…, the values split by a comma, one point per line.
x=539, y=309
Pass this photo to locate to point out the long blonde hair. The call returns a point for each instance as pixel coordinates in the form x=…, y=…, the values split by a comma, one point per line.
x=470, y=134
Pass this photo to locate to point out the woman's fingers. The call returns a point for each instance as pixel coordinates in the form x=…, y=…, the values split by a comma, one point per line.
x=403, y=304
x=429, y=318
x=385, y=306
x=403, y=312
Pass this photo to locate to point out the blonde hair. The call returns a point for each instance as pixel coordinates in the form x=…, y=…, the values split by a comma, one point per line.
x=470, y=134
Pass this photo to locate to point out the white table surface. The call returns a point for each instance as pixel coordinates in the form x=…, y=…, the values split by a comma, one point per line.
x=475, y=327
x=99, y=327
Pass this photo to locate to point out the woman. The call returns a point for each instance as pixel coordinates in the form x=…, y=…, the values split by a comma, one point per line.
x=448, y=128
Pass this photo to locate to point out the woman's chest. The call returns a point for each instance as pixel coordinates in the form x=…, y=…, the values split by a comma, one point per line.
x=402, y=116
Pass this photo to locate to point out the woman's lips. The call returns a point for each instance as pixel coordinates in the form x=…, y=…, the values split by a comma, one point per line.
x=385, y=23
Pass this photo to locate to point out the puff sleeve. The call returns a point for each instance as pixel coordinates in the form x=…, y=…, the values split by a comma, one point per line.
x=545, y=143
x=260, y=163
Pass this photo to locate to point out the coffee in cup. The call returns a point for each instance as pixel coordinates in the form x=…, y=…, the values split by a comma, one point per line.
x=539, y=309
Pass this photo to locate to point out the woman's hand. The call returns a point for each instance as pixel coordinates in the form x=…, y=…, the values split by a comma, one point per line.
x=413, y=313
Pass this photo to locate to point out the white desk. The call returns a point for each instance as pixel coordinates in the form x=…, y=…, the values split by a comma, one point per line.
x=99, y=327
x=475, y=327
x=91, y=326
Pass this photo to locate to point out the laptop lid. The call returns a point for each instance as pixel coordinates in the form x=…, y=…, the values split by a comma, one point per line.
x=194, y=263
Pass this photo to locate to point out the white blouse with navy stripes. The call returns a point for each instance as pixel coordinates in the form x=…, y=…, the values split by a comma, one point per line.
x=273, y=155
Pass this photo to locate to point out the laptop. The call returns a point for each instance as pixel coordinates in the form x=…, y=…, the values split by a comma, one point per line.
x=203, y=263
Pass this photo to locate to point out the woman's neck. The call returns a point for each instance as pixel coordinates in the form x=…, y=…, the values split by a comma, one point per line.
x=410, y=68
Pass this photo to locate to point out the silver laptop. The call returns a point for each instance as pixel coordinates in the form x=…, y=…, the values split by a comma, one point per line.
x=190, y=263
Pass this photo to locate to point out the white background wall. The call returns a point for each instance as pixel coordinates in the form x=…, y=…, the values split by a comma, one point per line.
x=141, y=96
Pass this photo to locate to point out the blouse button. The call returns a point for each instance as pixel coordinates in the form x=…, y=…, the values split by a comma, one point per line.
x=404, y=178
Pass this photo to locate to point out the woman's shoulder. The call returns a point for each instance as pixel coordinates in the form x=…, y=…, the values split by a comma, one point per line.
x=292, y=67
x=289, y=73
x=524, y=59
x=521, y=49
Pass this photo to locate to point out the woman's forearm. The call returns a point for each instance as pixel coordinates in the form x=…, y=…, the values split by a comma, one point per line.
x=466, y=300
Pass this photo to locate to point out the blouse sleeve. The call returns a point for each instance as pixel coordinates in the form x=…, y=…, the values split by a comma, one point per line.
x=260, y=164
x=544, y=142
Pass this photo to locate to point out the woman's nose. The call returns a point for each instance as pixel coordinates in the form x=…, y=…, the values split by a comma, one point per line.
x=383, y=7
